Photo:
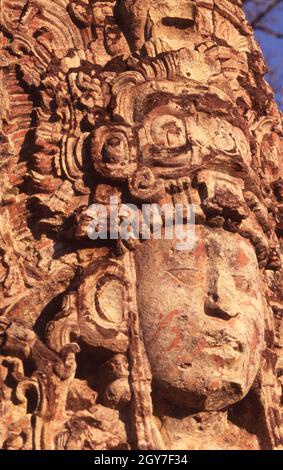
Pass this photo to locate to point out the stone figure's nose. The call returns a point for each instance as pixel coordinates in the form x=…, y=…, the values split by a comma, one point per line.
x=221, y=301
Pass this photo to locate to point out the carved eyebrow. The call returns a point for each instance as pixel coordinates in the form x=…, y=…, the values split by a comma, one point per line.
x=169, y=271
x=241, y=275
x=183, y=269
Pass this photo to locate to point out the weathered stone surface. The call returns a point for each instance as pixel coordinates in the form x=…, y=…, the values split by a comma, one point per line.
x=113, y=345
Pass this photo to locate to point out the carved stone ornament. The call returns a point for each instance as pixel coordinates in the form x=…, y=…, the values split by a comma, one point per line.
x=114, y=344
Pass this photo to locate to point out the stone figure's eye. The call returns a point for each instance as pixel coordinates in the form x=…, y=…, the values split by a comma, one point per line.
x=168, y=131
x=242, y=283
x=178, y=23
x=113, y=141
x=186, y=276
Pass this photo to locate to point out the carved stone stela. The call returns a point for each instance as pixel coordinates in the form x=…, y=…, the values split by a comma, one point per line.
x=113, y=345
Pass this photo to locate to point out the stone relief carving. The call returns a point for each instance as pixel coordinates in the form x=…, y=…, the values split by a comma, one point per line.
x=114, y=345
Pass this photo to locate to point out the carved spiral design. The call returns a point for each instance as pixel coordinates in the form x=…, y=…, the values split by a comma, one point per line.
x=144, y=186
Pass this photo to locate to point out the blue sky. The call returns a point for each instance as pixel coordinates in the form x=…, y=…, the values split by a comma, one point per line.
x=273, y=50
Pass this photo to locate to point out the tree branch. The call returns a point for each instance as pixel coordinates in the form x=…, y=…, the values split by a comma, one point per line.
x=265, y=29
x=265, y=12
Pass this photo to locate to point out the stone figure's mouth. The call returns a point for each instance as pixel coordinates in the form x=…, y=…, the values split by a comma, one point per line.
x=177, y=156
x=224, y=346
x=227, y=352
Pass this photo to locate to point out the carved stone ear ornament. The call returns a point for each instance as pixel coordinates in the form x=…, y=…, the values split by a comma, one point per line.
x=101, y=299
x=108, y=334
x=113, y=154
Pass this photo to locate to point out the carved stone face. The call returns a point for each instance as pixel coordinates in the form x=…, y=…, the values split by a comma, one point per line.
x=173, y=134
x=173, y=21
x=119, y=366
x=202, y=317
x=167, y=126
